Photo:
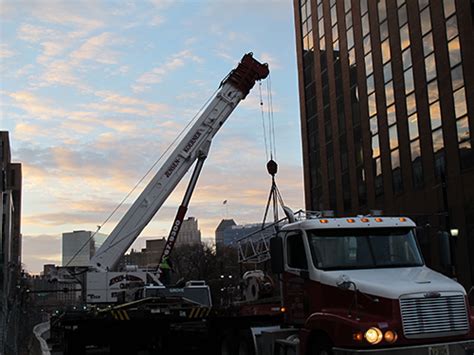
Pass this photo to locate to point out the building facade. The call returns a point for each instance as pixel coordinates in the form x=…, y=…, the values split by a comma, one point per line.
x=223, y=225
x=228, y=233
x=387, y=111
x=189, y=232
x=78, y=247
x=10, y=245
x=148, y=257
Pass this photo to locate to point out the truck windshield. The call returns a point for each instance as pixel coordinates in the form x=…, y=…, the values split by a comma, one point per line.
x=338, y=249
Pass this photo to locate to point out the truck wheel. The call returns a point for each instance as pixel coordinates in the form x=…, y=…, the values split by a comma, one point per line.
x=321, y=346
x=227, y=345
x=246, y=345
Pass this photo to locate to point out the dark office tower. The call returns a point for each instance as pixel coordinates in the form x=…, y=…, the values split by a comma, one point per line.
x=387, y=114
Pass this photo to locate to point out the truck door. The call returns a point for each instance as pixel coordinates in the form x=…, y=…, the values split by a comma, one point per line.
x=295, y=297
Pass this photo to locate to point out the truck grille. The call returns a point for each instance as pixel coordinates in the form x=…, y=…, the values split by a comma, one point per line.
x=432, y=317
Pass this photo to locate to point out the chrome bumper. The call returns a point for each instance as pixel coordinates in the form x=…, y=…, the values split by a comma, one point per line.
x=456, y=348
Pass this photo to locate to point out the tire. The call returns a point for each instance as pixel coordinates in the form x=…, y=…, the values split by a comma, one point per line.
x=246, y=345
x=321, y=346
x=227, y=345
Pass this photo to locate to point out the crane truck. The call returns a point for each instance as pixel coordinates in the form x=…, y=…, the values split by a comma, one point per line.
x=104, y=282
x=347, y=285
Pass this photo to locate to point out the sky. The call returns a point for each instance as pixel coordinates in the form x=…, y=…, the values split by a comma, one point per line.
x=93, y=92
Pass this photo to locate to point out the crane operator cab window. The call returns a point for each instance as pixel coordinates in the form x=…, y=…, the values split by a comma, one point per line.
x=296, y=254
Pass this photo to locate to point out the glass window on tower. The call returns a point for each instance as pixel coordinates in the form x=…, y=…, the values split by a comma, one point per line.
x=387, y=72
x=435, y=115
x=423, y=3
x=389, y=93
x=382, y=9
x=391, y=115
x=449, y=7
x=462, y=126
x=393, y=137
x=457, y=78
x=406, y=58
x=365, y=24
x=425, y=21
x=404, y=37
x=438, y=141
x=460, y=107
x=428, y=46
x=386, y=55
x=413, y=126
x=409, y=81
x=411, y=104
x=383, y=30
x=433, y=93
x=454, y=52
x=430, y=67
x=402, y=15
x=451, y=28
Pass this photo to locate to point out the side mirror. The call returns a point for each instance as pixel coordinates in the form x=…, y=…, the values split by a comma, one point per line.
x=344, y=282
x=276, y=253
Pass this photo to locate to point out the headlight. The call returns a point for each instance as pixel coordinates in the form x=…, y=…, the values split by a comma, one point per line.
x=373, y=335
x=390, y=336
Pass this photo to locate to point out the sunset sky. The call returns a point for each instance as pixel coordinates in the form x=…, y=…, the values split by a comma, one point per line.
x=93, y=92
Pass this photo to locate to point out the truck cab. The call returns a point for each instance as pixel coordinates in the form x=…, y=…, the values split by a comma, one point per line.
x=360, y=284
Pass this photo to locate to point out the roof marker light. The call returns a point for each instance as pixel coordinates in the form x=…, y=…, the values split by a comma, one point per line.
x=403, y=219
x=323, y=221
x=350, y=220
x=365, y=220
x=378, y=219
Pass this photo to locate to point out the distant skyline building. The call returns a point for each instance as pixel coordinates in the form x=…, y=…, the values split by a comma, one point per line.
x=223, y=225
x=387, y=114
x=228, y=233
x=148, y=257
x=78, y=247
x=189, y=232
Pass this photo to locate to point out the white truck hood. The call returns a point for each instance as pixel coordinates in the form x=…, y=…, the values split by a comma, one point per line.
x=396, y=282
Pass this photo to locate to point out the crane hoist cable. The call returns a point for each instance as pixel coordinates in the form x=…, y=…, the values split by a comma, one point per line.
x=263, y=120
x=268, y=122
x=271, y=118
x=143, y=178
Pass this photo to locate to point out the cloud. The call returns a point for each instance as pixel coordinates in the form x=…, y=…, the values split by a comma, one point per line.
x=157, y=20
x=95, y=48
x=33, y=33
x=273, y=63
x=36, y=107
x=83, y=15
x=5, y=51
x=157, y=74
x=113, y=111
x=60, y=72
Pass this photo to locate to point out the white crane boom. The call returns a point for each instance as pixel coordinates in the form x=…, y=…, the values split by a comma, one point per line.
x=234, y=88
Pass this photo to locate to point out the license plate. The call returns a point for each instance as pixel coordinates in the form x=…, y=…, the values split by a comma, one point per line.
x=439, y=350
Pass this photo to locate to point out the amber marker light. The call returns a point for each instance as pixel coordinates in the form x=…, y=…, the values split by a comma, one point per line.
x=390, y=336
x=373, y=335
x=365, y=220
x=378, y=219
x=350, y=220
x=403, y=219
x=359, y=336
x=323, y=221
